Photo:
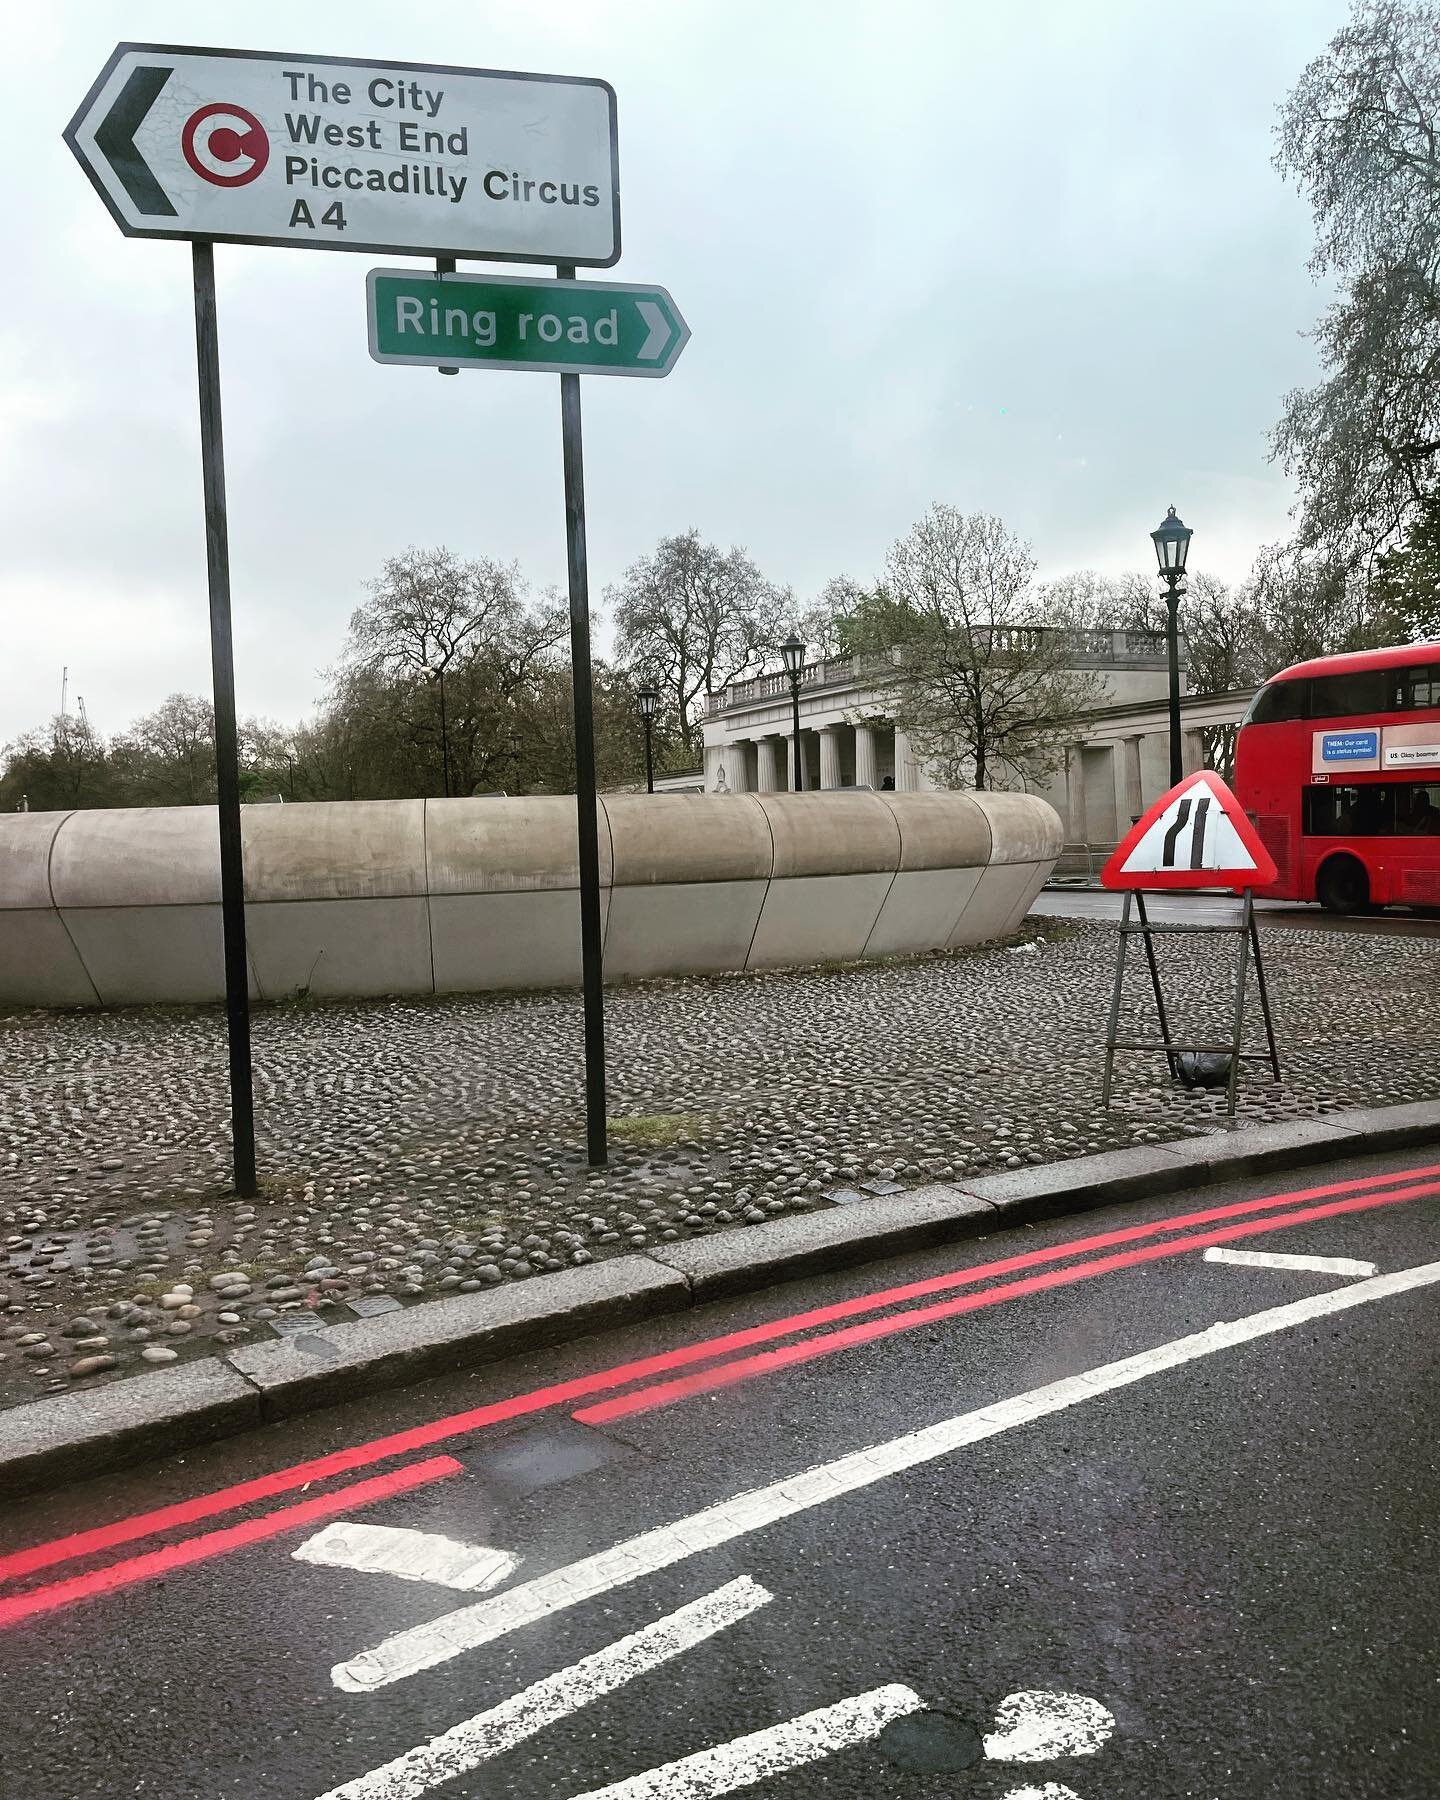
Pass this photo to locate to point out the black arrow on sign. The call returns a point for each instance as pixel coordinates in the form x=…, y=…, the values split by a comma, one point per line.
x=115, y=139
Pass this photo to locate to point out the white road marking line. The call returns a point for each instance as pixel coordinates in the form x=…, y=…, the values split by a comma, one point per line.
x=1052, y=1790
x=467, y=1745
x=1276, y=1259
x=746, y=1760
x=412, y=1555
x=421, y=1647
x=1036, y=1726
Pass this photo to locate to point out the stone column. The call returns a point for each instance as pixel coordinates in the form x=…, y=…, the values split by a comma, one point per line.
x=1101, y=795
x=736, y=769
x=906, y=774
x=1075, y=828
x=829, y=736
x=1134, y=781
x=865, y=757
x=766, y=778
x=1192, y=751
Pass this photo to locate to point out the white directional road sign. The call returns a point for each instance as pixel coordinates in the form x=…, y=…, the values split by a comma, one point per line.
x=326, y=154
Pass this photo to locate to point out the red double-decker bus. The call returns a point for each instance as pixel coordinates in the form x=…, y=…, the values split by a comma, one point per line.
x=1338, y=763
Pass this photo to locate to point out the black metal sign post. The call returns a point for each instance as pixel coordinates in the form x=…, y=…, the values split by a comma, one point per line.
x=200, y=114
x=591, y=965
x=227, y=753
x=1249, y=946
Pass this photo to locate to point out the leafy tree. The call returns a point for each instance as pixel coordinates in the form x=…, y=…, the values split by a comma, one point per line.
x=1405, y=589
x=1224, y=640
x=56, y=769
x=1358, y=136
x=167, y=757
x=692, y=618
x=981, y=682
x=825, y=626
x=435, y=663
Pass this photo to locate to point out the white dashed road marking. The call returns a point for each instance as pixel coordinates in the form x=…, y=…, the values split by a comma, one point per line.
x=488, y=1734
x=1276, y=1259
x=762, y=1754
x=408, y=1652
x=412, y=1555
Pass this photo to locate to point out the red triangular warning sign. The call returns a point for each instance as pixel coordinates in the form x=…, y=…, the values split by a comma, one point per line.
x=1196, y=836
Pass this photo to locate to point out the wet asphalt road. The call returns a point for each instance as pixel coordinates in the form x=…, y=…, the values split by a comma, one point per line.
x=1237, y=1558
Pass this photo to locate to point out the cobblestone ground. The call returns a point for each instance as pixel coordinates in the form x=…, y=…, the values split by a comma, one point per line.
x=414, y=1147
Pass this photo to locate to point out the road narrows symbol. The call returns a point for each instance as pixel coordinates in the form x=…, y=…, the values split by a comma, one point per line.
x=1172, y=836
x=1197, y=835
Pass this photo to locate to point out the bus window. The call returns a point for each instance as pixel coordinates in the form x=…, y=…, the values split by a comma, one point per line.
x=1379, y=809
x=1417, y=810
x=1276, y=701
x=1418, y=686
x=1348, y=696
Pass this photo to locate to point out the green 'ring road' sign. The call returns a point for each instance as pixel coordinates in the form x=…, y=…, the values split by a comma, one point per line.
x=506, y=322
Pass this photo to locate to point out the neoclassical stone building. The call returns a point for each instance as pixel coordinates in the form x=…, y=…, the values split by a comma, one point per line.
x=1117, y=763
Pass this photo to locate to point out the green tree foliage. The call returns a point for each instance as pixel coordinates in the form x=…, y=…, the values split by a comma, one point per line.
x=1405, y=588
x=1358, y=136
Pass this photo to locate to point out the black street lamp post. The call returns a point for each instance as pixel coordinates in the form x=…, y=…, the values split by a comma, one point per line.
x=1172, y=544
x=649, y=699
x=793, y=652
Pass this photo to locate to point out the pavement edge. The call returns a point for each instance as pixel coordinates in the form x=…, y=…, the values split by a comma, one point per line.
x=101, y=1430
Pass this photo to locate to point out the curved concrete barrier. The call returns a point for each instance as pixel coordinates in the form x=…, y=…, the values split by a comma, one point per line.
x=453, y=896
x=1024, y=838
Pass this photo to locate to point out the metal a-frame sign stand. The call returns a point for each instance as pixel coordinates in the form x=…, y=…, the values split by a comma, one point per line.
x=1194, y=836
x=212, y=146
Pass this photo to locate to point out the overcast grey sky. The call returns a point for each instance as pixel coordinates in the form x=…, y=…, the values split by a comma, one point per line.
x=1029, y=258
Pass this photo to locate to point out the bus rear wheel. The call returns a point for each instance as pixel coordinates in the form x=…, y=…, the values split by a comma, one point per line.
x=1342, y=886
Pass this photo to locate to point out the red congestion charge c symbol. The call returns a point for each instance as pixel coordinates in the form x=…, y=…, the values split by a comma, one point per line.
x=225, y=144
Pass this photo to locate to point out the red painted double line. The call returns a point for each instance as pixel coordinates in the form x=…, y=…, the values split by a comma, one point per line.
x=1154, y=1241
